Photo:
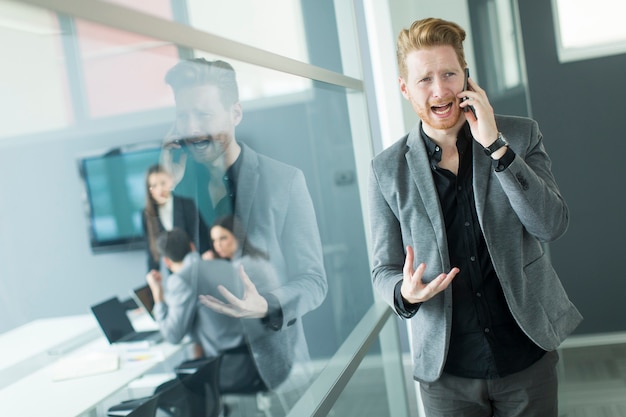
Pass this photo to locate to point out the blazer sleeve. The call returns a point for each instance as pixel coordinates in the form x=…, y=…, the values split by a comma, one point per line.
x=300, y=242
x=387, y=248
x=176, y=313
x=531, y=187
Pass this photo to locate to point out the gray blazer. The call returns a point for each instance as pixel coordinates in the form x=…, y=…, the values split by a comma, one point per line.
x=275, y=353
x=518, y=209
x=276, y=215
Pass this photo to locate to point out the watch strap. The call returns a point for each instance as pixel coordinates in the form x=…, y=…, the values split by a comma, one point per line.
x=499, y=143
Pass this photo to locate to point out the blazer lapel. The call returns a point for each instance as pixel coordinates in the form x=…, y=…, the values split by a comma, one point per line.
x=481, y=175
x=247, y=184
x=419, y=168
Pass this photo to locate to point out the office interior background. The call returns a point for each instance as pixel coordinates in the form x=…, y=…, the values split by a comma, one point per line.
x=318, y=84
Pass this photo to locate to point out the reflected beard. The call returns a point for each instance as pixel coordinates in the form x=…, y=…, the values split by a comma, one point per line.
x=205, y=150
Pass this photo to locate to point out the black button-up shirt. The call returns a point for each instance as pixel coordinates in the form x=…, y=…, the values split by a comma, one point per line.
x=194, y=185
x=485, y=342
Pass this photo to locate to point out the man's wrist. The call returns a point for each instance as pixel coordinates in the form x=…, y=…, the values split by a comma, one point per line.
x=497, y=148
x=274, y=317
x=499, y=153
x=504, y=161
x=158, y=296
x=404, y=308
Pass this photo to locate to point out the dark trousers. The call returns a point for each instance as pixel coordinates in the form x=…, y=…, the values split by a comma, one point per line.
x=532, y=392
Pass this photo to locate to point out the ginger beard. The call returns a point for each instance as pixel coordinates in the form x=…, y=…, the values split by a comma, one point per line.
x=443, y=114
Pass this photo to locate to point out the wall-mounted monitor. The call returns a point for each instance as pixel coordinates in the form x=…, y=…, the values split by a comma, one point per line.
x=115, y=195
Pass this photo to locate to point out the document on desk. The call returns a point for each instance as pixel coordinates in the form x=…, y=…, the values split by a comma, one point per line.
x=85, y=364
x=137, y=354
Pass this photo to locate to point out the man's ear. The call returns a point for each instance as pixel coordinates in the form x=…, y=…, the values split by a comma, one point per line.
x=168, y=262
x=192, y=246
x=236, y=113
x=403, y=88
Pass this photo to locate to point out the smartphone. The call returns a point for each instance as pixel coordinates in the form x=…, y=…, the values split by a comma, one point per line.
x=467, y=108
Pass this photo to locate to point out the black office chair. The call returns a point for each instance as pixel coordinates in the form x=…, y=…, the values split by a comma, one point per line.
x=194, y=392
x=140, y=407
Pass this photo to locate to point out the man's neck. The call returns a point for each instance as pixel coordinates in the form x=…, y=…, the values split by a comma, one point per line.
x=176, y=266
x=231, y=154
x=445, y=138
x=226, y=160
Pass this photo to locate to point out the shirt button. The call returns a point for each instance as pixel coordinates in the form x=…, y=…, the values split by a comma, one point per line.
x=437, y=148
x=459, y=188
x=478, y=294
x=467, y=224
x=487, y=330
x=472, y=258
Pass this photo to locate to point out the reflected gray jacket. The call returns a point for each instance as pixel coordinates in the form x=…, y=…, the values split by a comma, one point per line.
x=276, y=215
x=518, y=209
x=182, y=314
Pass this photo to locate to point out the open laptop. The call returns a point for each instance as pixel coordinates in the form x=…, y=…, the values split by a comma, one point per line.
x=143, y=298
x=116, y=326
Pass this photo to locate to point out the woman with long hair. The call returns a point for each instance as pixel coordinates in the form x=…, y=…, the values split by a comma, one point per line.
x=225, y=244
x=164, y=211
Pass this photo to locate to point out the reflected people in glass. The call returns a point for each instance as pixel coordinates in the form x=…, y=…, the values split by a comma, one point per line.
x=278, y=260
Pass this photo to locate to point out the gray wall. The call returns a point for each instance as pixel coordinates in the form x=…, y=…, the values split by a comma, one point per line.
x=46, y=265
x=580, y=109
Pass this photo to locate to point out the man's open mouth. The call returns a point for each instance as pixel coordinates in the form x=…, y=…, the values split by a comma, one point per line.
x=443, y=109
x=200, y=144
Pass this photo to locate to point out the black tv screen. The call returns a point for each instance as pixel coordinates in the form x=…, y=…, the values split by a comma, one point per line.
x=115, y=195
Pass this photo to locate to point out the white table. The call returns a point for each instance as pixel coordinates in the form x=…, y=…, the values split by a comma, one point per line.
x=29, y=347
x=39, y=395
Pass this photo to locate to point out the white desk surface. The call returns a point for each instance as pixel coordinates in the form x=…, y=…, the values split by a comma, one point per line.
x=38, y=395
x=35, y=344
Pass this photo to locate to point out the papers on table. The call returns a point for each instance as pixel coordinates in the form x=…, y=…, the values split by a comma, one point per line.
x=88, y=363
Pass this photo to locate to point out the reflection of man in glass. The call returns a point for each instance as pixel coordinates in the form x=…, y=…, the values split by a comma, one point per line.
x=270, y=199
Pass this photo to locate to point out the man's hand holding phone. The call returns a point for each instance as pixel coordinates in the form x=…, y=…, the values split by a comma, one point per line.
x=465, y=98
x=483, y=127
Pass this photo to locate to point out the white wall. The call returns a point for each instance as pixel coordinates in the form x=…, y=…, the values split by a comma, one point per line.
x=46, y=266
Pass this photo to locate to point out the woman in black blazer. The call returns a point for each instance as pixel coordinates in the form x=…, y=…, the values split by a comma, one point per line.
x=164, y=211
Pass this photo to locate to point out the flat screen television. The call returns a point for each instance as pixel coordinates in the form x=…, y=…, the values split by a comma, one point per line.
x=115, y=195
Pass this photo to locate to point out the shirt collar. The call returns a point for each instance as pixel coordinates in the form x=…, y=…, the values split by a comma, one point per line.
x=232, y=172
x=464, y=137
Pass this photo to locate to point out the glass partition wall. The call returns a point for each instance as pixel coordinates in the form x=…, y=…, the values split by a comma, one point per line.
x=86, y=79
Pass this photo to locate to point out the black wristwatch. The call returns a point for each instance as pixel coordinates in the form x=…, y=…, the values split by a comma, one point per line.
x=499, y=143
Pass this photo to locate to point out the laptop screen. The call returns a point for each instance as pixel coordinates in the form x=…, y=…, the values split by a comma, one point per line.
x=143, y=297
x=112, y=319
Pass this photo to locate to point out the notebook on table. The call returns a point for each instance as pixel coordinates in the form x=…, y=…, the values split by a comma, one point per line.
x=116, y=326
